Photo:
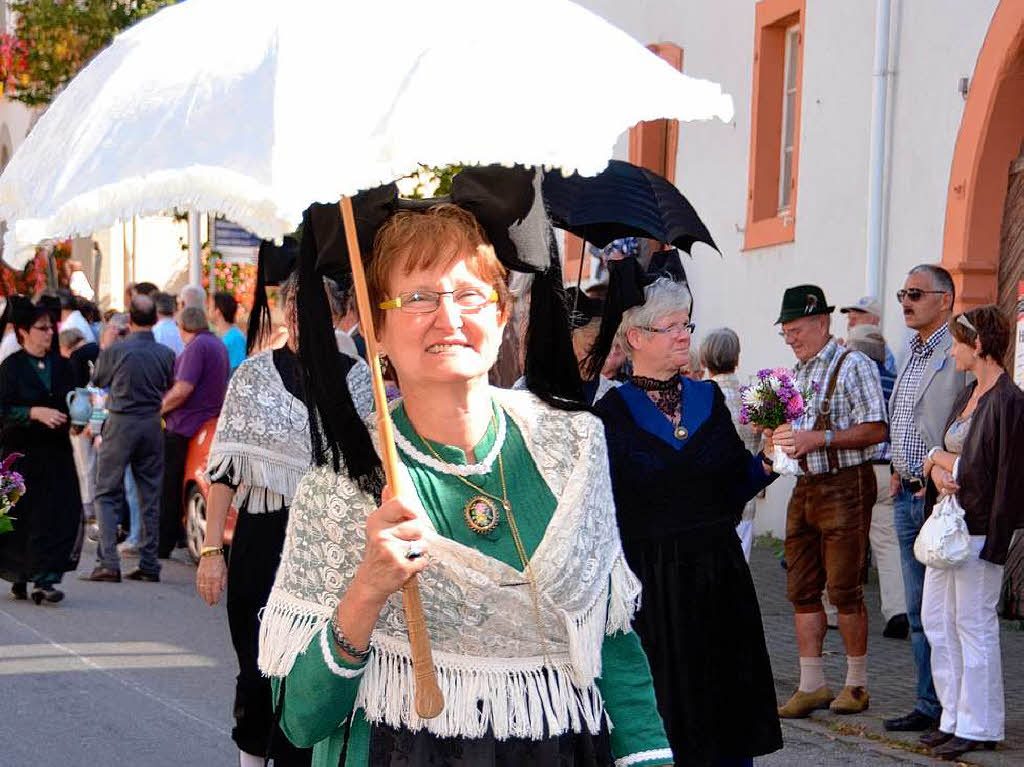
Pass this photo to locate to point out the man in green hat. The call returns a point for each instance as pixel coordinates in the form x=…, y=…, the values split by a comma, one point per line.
x=829, y=512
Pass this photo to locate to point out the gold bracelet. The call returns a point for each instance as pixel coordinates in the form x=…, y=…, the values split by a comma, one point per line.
x=211, y=551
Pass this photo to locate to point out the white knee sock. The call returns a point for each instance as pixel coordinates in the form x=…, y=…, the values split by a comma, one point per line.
x=857, y=671
x=812, y=674
x=249, y=760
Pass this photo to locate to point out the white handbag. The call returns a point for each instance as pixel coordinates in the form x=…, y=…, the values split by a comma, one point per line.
x=944, y=542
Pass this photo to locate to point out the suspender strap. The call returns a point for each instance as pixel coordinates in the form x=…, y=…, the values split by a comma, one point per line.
x=824, y=419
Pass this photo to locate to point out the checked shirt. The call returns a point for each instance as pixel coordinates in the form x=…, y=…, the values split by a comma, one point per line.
x=857, y=399
x=908, y=448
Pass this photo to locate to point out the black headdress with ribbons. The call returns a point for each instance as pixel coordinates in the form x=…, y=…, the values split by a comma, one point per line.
x=627, y=280
x=275, y=265
x=507, y=203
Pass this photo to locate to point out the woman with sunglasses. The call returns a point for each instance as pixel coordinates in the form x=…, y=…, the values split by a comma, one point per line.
x=979, y=462
x=681, y=477
x=34, y=384
x=509, y=523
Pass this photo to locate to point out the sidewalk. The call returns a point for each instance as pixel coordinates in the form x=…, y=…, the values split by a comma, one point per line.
x=890, y=676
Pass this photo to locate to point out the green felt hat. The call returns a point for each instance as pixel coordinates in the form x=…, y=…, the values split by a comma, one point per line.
x=803, y=301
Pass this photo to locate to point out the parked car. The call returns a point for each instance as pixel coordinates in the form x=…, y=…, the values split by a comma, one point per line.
x=195, y=490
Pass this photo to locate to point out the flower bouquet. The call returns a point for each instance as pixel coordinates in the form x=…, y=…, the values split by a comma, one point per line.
x=12, y=487
x=770, y=401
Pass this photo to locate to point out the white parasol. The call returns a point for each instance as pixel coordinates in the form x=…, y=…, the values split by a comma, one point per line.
x=253, y=109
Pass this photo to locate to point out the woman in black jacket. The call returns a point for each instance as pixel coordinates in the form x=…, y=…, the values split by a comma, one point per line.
x=681, y=477
x=979, y=462
x=34, y=383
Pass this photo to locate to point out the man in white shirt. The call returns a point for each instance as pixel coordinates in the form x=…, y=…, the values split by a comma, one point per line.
x=166, y=329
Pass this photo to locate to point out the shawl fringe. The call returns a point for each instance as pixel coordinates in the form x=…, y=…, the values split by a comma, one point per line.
x=287, y=626
x=514, y=697
x=264, y=482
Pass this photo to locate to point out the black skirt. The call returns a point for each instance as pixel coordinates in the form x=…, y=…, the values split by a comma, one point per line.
x=700, y=625
x=255, y=555
x=48, y=518
x=391, y=747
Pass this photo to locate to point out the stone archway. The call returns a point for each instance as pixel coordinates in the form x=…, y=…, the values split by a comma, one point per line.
x=989, y=141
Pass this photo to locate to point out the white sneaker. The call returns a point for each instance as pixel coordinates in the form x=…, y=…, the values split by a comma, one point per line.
x=127, y=547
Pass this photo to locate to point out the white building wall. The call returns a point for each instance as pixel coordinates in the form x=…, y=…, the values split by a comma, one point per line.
x=934, y=43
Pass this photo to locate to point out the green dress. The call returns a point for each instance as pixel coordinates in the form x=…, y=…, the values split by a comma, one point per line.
x=321, y=688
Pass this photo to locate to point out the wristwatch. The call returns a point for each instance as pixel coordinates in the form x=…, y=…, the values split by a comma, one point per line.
x=829, y=436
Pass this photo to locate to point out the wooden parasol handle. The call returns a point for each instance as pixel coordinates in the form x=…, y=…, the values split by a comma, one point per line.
x=429, y=700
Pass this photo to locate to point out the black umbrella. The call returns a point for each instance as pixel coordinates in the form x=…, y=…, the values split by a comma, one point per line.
x=624, y=200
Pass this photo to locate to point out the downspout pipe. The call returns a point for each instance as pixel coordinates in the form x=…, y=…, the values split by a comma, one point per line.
x=195, y=245
x=876, y=163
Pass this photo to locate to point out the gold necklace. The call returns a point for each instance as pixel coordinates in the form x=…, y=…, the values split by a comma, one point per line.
x=481, y=517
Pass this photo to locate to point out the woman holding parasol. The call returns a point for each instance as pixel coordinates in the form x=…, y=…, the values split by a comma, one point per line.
x=509, y=521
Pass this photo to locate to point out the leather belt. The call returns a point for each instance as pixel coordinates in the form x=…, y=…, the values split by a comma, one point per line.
x=913, y=485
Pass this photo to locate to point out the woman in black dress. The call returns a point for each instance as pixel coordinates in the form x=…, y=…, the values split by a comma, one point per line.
x=681, y=477
x=34, y=384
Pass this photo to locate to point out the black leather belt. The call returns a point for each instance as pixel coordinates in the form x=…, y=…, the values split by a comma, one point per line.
x=912, y=486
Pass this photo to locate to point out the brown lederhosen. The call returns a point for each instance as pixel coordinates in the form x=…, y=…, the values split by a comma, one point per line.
x=827, y=525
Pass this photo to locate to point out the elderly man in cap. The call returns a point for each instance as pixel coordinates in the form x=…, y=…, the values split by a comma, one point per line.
x=885, y=547
x=868, y=311
x=829, y=512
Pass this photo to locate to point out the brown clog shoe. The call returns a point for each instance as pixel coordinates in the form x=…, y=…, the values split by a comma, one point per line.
x=801, y=704
x=852, y=700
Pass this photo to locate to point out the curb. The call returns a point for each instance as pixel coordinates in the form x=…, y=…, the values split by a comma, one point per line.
x=811, y=727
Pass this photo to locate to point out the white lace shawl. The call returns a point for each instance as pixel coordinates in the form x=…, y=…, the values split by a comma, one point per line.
x=262, y=440
x=486, y=647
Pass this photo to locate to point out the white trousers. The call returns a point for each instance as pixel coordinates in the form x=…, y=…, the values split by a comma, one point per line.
x=885, y=549
x=958, y=611
x=745, y=530
x=85, y=464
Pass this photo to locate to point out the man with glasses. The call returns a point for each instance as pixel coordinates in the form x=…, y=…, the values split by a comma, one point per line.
x=922, y=397
x=829, y=513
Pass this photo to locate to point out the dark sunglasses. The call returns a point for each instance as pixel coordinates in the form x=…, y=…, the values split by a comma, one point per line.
x=915, y=294
x=43, y=328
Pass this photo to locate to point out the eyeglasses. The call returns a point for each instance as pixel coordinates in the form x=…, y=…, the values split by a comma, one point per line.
x=43, y=328
x=916, y=294
x=792, y=333
x=677, y=329
x=427, y=301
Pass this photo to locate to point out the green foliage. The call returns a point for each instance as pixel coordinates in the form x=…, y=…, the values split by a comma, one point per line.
x=54, y=39
x=428, y=181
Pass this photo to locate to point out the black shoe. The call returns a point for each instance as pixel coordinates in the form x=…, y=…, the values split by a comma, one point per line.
x=19, y=590
x=141, y=575
x=103, y=575
x=915, y=721
x=898, y=627
x=957, y=747
x=934, y=738
x=47, y=594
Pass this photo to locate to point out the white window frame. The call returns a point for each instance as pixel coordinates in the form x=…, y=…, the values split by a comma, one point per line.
x=786, y=151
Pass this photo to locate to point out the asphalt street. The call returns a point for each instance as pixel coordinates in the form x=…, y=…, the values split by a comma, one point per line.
x=143, y=674
x=117, y=674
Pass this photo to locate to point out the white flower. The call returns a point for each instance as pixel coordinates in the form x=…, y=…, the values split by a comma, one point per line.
x=774, y=383
x=749, y=397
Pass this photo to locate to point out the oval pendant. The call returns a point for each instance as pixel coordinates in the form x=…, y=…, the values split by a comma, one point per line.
x=682, y=432
x=481, y=514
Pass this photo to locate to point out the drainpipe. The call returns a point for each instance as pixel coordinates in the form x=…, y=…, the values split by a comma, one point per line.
x=879, y=96
x=195, y=244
